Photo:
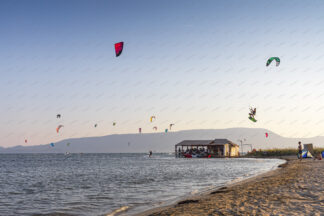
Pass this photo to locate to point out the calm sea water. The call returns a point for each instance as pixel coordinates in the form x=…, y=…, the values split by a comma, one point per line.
x=100, y=184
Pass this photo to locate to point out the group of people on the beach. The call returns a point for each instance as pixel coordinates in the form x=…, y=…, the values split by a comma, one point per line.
x=300, y=153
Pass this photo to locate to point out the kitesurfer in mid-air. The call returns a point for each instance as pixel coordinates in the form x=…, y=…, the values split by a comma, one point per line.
x=252, y=112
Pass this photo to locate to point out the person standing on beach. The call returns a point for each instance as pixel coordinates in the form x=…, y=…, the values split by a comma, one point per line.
x=300, y=150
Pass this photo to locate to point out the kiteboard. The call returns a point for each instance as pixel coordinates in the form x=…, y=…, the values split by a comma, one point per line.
x=252, y=119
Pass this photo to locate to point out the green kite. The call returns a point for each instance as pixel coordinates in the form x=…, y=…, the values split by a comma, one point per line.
x=273, y=58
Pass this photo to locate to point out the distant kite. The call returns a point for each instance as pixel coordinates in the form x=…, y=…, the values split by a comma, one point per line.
x=58, y=128
x=58, y=116
x=277, y=59
x=119, y=48
x=151, y=118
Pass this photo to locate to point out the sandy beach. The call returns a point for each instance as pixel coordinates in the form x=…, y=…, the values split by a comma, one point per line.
x=296, y=188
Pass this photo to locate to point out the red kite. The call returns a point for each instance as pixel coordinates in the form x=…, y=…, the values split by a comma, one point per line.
x=119, y=48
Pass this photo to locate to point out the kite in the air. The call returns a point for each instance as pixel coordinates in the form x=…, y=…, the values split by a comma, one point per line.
x=152, y=118
x=139, y=130
x=58, y=128
x=252, y=114
x=52, y=144
x=119, y=48
x=155, y=128
x=171, y=126
x=277, y=59
x=266, y=134
x=58, y=116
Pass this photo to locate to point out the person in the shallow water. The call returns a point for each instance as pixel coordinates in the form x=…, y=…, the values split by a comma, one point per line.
x=150, y=154
x=300, y=151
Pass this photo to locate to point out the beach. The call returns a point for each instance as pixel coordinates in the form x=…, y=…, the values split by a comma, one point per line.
x=295, y=188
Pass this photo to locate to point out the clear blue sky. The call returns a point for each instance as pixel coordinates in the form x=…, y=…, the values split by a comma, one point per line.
x=198, y=64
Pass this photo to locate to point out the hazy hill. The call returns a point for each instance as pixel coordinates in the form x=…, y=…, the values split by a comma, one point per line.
x=164, y=142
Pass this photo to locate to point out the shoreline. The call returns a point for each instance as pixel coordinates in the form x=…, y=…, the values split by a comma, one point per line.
x=277, y=191
x=191, y=198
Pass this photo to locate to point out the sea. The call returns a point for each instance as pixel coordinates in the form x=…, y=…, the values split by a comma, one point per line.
x=112, y=184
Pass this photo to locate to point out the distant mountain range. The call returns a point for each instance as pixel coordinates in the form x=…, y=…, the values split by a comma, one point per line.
x=164, y=142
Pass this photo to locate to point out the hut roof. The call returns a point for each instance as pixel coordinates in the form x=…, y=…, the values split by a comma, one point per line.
x=205, y=142
x=194, y=142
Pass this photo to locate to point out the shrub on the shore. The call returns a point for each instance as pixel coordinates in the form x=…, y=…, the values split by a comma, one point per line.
x=279, y=152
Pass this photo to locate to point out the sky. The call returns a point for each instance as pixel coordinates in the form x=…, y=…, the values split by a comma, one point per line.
x=197, y=64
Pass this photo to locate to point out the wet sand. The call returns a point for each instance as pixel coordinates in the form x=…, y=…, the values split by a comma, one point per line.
x=296, y=188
